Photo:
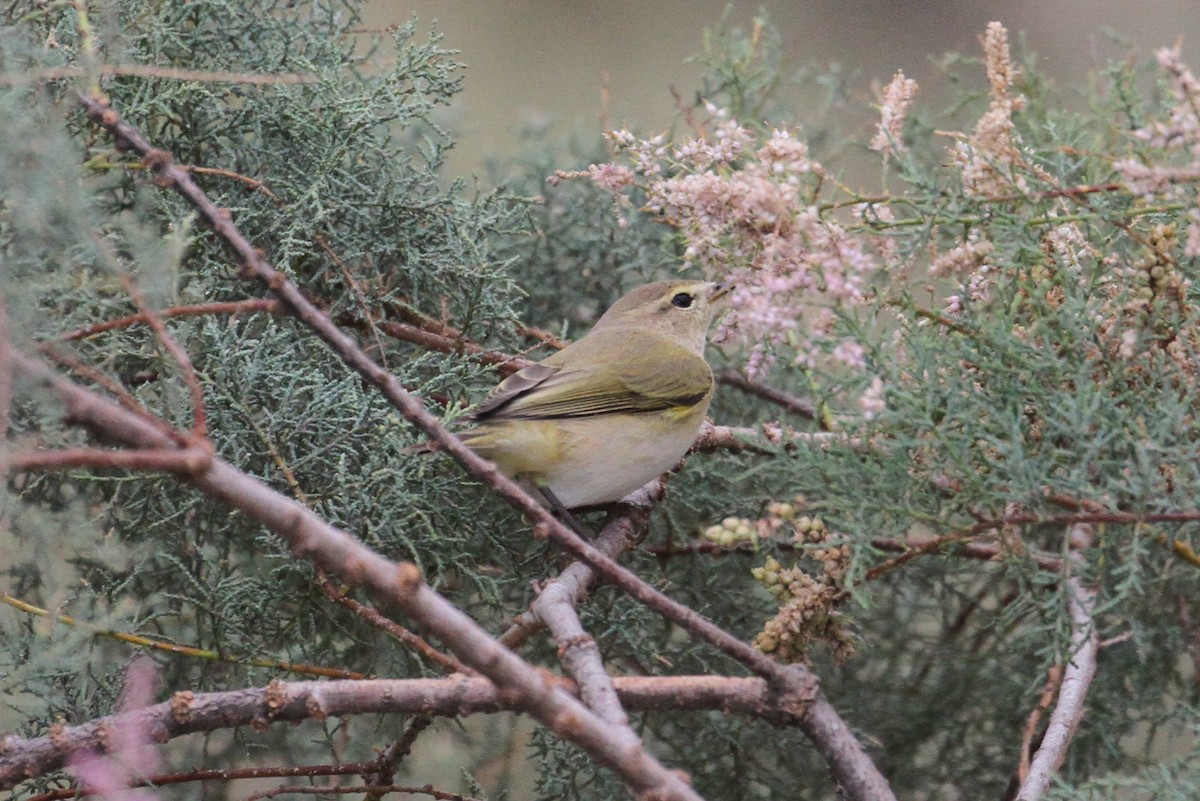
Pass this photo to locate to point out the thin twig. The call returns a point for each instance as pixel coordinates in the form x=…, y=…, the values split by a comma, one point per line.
x=414, y=641
x=385, y=767
x=170, y=460
x=224, y=774
x=1077, y=675
x=734, y=378
x=183, y=650
x=184, y=362
x=269, y=305
x=112, y=386
x=372, y=791
x=1053, y=682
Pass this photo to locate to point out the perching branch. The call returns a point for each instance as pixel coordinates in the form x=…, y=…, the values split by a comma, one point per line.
x=555, y=608
x=619, y=534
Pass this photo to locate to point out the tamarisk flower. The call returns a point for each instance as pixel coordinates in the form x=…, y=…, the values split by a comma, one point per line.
x=1178, y=137
x=989, y=158
x=897, y=100
x=746, y=207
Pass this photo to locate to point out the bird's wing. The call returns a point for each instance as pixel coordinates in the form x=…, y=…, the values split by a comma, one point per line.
x=626, y=372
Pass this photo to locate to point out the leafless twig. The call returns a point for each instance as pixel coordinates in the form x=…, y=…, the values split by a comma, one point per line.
x=1076, y=678
x=734, y=378
x=286, y=702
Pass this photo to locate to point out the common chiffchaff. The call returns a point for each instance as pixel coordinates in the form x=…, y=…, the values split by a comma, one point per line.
x=614, y=410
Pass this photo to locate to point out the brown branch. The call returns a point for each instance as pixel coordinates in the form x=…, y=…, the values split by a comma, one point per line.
x=414, y=641
x=231, y=774
x=1053, y=682
x=372, y=791
x=733, y=378
x=114, y=387
x=184, y=362
x=737, y=439
x=1076, y=678
x=288, y=702
x=909, y=548
x=848, y=760
x=384, y=769
x=399, y=584
x=255, y=305
x=194, y=459
x=253, y=183
x=445, y=344
x=987, y=551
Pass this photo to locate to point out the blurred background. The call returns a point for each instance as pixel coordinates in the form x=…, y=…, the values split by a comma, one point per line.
x=584, y=66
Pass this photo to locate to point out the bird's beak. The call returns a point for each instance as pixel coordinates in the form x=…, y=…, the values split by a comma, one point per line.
x=720, y=290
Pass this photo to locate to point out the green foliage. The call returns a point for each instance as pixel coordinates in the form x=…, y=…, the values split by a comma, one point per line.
x=1025, y=393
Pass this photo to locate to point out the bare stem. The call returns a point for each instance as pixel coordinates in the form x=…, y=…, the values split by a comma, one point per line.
x=288, y=702
x=1076, y=678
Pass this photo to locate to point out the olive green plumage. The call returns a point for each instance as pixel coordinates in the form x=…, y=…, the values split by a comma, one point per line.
x=614, y=410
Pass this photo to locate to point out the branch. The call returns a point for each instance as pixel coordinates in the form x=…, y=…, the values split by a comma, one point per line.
x=851, y=766
x=174, y=648
x=739, y=438
x=344, y=769
x=448, y=663
x=182, y=460
x=371, y=791
x=254, y=305
x=555, y=608
x=1076, y=677
x=289, y=702
x=383, y=770
x=396, y=583
x=619, y=534
x=795, y=405
x=909, y=548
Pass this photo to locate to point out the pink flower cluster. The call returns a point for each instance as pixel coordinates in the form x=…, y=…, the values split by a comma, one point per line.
x=746, y=207
x=1179, y=136
x=989, y=158
x=897, y=99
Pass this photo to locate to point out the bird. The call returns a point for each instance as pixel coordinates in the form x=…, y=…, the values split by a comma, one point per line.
x=611, y=411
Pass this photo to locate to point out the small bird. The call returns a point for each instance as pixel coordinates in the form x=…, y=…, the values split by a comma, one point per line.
x=612, y=411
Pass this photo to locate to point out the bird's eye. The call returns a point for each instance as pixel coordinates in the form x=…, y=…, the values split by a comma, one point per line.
x=683, y=300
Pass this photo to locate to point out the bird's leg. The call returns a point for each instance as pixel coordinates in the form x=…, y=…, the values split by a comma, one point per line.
x=563, y=512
